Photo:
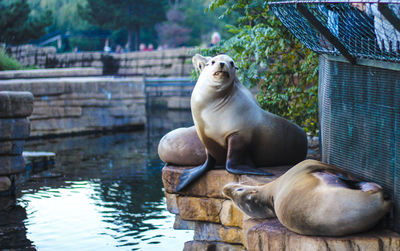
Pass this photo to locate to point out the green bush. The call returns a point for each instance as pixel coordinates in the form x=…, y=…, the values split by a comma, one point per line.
x=271, y=58
x=8, y=63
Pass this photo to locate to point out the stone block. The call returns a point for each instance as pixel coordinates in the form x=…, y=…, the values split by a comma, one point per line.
x=11, y=164
x=178, y=102
x=270, y=235
x=205, y=231
x=46, y=88
x=232, y=235
x=214, y=246
x=181, y=224
x=122, y=111
x=15, y=104
x=5, y=183
x=230, y=215
x=209, y=185
x=14, y=147
x=187, y=69
x=199, y=209
x=14, y=129
x=172, y=204
x=55, y=112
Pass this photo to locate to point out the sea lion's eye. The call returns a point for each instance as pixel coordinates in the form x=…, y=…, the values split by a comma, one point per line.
x=212, y=62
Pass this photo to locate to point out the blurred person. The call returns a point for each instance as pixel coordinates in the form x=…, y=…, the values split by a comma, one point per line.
x=142, y=47
x=150, y=47
x=118, y=49
x=107, y=47
x=215, y=38
x=127, y=47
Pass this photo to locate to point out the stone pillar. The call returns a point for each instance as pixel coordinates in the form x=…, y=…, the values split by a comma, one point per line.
x=15, y=107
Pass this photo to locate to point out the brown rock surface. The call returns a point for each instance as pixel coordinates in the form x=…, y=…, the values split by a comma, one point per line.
x=270, y=235
x=199, y=209
x=210, y=185
x=205, y=231
x=215, y=246
x=218, y=222
x=230, y=215
x=172, y=205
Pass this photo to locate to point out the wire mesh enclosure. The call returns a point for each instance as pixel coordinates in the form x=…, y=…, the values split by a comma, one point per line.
x=359, y=94
x=355, y=29
x=360, y=123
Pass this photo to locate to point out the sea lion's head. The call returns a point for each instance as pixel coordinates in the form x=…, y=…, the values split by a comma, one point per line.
x=219, y=70
x=250, y=200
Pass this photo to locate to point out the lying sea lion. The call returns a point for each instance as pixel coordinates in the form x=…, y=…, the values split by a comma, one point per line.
x=314, y=198
x=233, y=127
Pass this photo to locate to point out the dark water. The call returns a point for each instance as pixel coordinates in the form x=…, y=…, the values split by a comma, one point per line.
x=105, y=193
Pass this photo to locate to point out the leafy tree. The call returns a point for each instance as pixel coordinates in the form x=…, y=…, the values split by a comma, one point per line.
x=133, y=15
x=17, y=26
x=201, y=23
x=7, y=62
x=171, y=32
x=270, y=57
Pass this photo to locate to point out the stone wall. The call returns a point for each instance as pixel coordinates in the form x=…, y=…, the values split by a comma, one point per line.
x=51, y=73
x=15, y=107
x=165, y=63
x=219, y=225
x=76, y=105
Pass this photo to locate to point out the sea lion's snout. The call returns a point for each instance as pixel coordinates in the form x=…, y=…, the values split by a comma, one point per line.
x=228, y=189
x=221, y=74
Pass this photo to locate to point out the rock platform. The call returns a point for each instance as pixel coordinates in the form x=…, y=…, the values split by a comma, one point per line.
x=220, y=225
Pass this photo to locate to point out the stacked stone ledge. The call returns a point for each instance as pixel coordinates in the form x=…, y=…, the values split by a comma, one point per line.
x=65, y=106
x=15, y=107
x=220, y=225
x=164, y=63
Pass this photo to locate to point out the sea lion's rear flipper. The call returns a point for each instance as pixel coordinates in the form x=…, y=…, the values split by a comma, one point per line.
x=190, y=175
x=238, y=159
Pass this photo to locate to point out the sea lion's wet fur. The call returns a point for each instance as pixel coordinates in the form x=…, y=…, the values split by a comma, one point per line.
x=233, y=127
x=314, y=198
x=182, y=147
x=222, y=107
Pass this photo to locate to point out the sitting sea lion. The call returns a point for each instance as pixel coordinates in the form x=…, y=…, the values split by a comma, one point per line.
x=233, y=127
x=314, y=198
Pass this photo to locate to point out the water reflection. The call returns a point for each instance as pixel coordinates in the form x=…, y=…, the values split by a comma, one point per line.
x=12, y=227
x=108, y=195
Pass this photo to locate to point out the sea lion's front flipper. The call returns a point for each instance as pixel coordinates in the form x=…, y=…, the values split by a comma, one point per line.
x=238, y=159
x=190, y=175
